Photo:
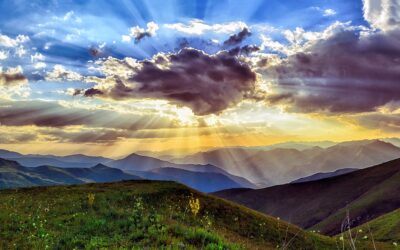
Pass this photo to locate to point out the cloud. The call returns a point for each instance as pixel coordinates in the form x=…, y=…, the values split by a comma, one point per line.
x=40, y=65
x=244, y=51
x=6, y=41
x=205, y=83
x=3, y=55
x=17, y=137
x=99, y=135
x=237, y=38
x=59, y=73
x=53, y=114
x=348, y=71
x=139, y=33
x=329, y=12
x=325, y=12
x=384, y=122
x=382, y=14
x=12, y=77
x=199, y=27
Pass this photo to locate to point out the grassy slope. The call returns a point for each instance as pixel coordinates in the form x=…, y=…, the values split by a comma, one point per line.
x=385, y=228
x=372, y=204
x=321, y=205
x=139, y=213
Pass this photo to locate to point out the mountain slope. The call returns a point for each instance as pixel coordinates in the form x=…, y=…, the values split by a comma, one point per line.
x=320, y=176
x=322, y=204
x=140, y=214
x=385, y=228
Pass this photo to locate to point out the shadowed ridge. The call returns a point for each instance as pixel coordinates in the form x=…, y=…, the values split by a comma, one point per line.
x=309, y=204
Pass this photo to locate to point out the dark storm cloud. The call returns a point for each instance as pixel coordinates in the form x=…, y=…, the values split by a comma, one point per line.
x=237, y=38
x=205, y=83
x=140, y=33
x=90, y=92
x=50, y=114
x=245, y=50
x=12, y=78
x=345, y=73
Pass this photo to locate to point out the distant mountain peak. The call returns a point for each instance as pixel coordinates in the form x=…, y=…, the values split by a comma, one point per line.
x=99, y=166
x=8, y=162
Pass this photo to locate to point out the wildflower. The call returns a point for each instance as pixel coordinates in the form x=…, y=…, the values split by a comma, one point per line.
x=194, y=205
x=91, y=197
x=341, y=238
x=395, y=244
x=360, y=231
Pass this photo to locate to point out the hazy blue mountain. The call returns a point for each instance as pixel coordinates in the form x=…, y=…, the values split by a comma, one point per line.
x=36, y=161
x=202, y=181
x=135, y=162
x=69, y=161
x=9, y=154
x=13, y=175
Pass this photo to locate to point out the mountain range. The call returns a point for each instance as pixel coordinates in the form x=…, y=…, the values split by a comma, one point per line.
x=321, y=201
x=13, y=175
x=206, y=178
x=283, y=165
x=254, y=167
x=323, y=204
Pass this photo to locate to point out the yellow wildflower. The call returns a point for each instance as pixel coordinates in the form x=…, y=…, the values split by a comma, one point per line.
x=91, y=197
x=194, y=204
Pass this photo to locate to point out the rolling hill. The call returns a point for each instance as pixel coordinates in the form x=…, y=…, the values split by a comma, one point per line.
x=385, y=228
x=323, y=204
x=150, y=214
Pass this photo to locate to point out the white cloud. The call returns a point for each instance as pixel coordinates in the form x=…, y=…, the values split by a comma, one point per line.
x=139, y=33
x=39, y=65
x=329, y=12
x=6, y=41
x=382, y=14
x=299, y=40
x=325, y=12
x=199, y=27
x=126, y=38
x=59, y=73
x=3, y=55
x=20, y=51
x=68, y=15
x=37, y=57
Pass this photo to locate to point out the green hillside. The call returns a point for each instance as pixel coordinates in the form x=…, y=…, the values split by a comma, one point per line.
x=377, y=201
x=151, y=214
x=385, y=229
x=322, y=205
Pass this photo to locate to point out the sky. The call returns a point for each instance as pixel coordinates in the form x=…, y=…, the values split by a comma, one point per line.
x=115, y=77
